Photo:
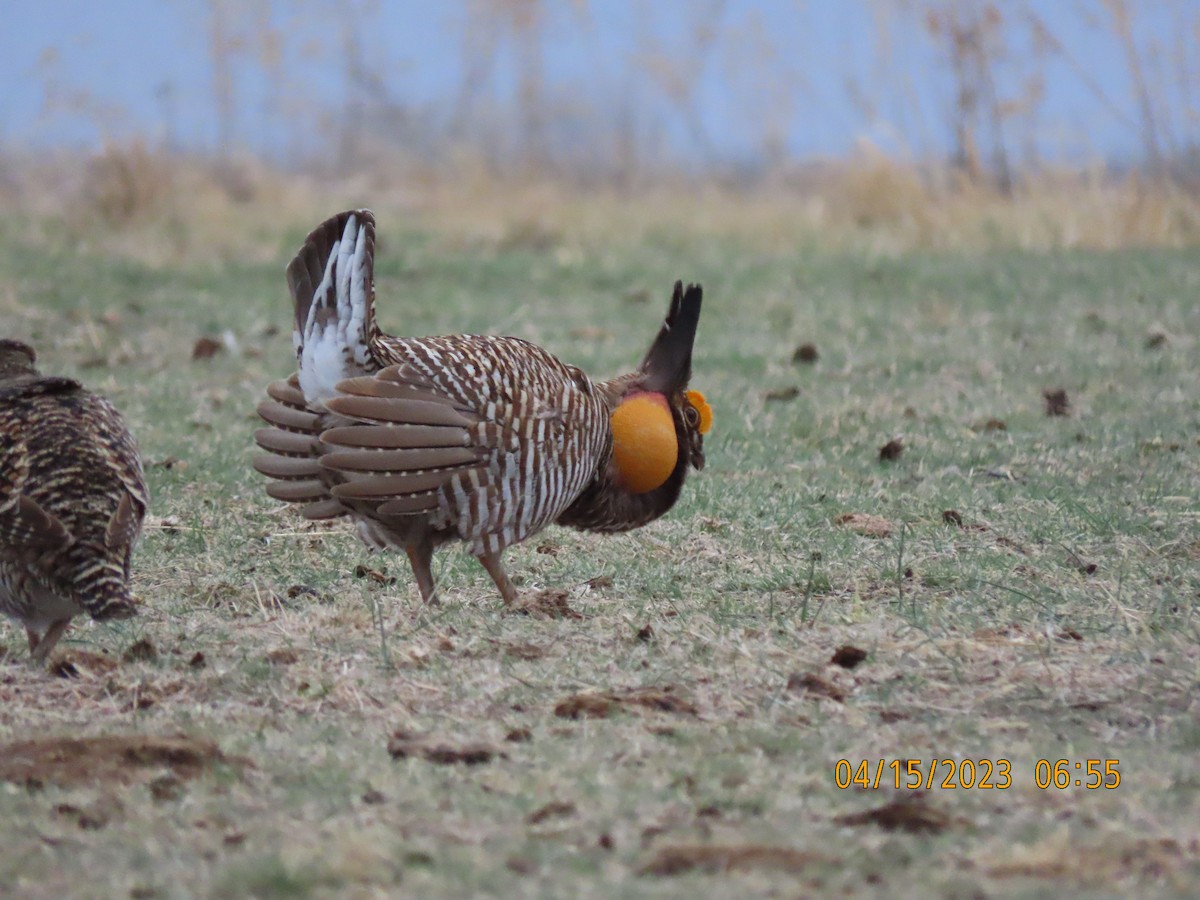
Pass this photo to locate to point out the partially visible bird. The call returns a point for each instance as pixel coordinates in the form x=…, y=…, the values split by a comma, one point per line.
x=72, y=500
x=479, y=438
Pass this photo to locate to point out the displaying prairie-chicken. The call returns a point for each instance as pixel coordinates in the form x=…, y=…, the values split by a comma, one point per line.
x=479, y=438
x=72, y=500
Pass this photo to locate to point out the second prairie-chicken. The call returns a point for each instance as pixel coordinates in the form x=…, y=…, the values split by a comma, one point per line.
x=72, y=500
x=477, y=438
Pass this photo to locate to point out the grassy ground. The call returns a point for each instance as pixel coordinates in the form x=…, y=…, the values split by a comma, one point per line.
x=1024, y=586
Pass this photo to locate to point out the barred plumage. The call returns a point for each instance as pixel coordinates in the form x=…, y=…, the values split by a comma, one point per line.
x=72, y=500
x=481, y=438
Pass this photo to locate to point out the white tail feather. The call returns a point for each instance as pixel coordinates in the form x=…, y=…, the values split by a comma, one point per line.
x=333, y=345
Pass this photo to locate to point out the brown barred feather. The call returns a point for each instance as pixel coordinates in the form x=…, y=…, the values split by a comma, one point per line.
x=478, y=438
x=72, y=501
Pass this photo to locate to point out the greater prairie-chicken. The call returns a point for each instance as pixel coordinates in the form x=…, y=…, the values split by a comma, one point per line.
x=72, y=500
x=479, y=438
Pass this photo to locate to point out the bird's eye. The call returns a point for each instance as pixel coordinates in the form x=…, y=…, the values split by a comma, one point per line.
x=691, y=416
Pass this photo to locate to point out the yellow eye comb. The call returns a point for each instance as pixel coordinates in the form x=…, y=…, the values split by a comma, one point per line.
x=701, y=406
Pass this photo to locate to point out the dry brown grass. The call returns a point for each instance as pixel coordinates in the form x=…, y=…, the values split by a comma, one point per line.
x=161, y=209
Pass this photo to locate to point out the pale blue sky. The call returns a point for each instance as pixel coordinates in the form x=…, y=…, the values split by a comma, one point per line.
x=77, y=72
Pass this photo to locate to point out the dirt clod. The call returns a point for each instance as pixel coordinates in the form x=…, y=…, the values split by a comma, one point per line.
x=811, y=683
x=783, y=394
x=404, y=745
x=206, y=348
x=848, y=656
x=524, y=650
x=166, y=787
x=602, y=704
x=283, y=656
x=550, y=603
x=141, y=651
x=554, y=810
x=381, y=578
x=864, y=524
x=806, y=353
x=303, y=590
x=1057, y=402
x=910, y=813
x=78, y=663
x=521, y=865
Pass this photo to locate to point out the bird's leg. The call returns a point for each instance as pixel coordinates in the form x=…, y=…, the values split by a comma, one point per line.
x=420, y=557
x=495, y=568
x=40, y=649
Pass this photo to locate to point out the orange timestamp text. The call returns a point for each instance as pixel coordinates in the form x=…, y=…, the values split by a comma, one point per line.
x=974, y=774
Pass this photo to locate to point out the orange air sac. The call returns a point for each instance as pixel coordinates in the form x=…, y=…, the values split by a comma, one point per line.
x=645, y=448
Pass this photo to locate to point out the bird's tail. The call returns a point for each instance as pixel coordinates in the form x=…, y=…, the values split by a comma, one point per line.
x=333, y=289
x=103, y=582
x=667, y=366
x=102, y=588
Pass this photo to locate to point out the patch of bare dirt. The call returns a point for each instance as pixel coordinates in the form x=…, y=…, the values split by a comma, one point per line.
x=108, y=758
x=404, y=745
x=550, y=603
x=677, y=860
x=864, y=524
x=602, y=704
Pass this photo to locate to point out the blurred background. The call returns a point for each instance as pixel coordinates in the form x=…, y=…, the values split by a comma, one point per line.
x=901, y=123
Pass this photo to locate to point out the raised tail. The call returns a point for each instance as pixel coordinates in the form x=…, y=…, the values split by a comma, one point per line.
x=668, y=363
x=332, y=280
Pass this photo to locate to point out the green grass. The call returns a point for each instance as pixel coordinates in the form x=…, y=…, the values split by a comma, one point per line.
x=987, y=640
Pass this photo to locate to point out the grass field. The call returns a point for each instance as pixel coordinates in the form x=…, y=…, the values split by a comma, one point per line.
x=1025, y=587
